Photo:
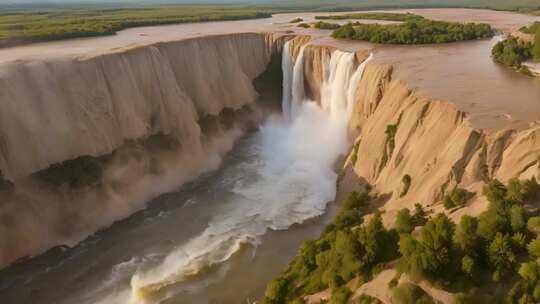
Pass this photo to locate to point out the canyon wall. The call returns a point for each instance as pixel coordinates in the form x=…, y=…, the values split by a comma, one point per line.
x=397, y=132
x=113, y=131
x=58, y=110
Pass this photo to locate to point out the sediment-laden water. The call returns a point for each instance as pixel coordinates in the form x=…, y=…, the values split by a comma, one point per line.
x=221, y=238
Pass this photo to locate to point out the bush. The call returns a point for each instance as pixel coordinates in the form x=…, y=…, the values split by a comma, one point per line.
x=466, y=238
x=467, y=265
x=326, y=26
x=77, y=173
x=340, y=295
x=304, y=25
x=534, y=247
x=533, y=224
x=406, y=180
x=276, y=293
x=408, y=293
x=296, y=20
x=501, y=255
x=458, y=197
x=365, y=299
x=404, y=221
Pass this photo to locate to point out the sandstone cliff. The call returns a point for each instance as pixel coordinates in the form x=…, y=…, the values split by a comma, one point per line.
x=152, y=117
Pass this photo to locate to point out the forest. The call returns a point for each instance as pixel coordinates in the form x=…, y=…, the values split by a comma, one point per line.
x=413, y=29
x=513, y=51
x=491, y=258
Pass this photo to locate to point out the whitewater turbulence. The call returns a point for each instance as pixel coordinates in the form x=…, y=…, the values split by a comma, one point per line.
x=288, y=179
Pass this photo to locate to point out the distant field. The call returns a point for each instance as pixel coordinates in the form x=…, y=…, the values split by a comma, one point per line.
x=35, y=25
x=27, y=23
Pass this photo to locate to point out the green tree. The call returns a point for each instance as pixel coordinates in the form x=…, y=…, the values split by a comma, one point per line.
x=404, y=221
x=534, y=247
x=517, y=218
x=467, y=265
x=501, y=255
x=276, y=293
x=466, y=238
x=533, y=224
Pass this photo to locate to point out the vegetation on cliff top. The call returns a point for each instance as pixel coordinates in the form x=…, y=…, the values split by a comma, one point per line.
x=414, y=29
x=492, y=257
x=22, y=27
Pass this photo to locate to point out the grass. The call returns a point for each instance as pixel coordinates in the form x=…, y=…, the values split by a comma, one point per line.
x=27, y=26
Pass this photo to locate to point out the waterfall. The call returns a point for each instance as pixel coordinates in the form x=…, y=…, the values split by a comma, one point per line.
x=298, y=91
x=290, y=179
x=340, y=83
x=287, y=65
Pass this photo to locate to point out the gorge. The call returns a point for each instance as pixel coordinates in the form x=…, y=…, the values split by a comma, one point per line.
x=216, y=157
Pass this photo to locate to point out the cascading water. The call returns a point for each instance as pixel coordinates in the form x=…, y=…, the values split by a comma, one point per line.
x=287, y=66
x=288, y=179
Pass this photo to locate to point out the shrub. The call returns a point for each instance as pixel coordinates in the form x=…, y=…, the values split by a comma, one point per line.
x=404, y=221
x=533, y=224
x=326, y=26
x=534, y=247
x=365, y=299
x=406, y=180
x=517, y=218
x=458, y=197
x=408, y=293
x=276, y=293
x=419, y=217
x=296, y=20
x=467, y=265
x=501, y=256
x=466, y=238
x=340, y=295
x=304, y=25
x=80, y=172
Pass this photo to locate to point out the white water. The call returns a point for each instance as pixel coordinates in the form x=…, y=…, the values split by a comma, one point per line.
x=290, y=179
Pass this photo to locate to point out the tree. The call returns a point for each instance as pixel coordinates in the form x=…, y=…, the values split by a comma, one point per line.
x=500, y=255
x=467, y=265
x=466, y=238
x=404, y=221
x=276, y=292
x=534, y=247
x=517, y=218
x=533, y=224
x=419, y=217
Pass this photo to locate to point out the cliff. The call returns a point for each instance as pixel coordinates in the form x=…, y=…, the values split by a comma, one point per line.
x=398, y=133
x=88, y=141
x=89, y=106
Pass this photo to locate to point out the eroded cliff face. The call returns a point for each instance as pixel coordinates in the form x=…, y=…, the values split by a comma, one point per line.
x=395, y=132
x=145, y=119
x=433, y=143
x=89, y=106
